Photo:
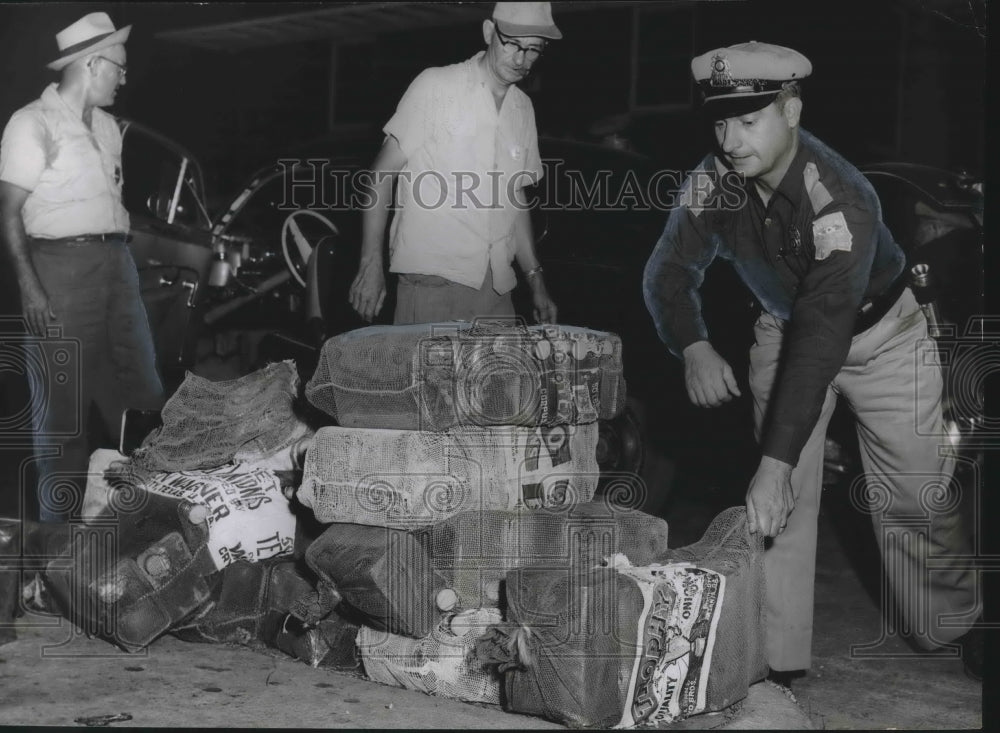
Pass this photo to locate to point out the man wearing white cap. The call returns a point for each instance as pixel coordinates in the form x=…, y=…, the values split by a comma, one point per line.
x=64, y=228
x=462, y=145
x=808, y=240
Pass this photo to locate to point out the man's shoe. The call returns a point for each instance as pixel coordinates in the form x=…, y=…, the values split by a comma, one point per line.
x=973, y=646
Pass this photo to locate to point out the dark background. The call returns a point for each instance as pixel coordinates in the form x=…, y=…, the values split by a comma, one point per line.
x=892, y=80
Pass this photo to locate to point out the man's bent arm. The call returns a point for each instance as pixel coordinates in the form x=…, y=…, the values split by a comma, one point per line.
x=34, y=300
x=368, y=289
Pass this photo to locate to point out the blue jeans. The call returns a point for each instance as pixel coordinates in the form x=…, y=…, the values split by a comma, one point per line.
x=98, y=353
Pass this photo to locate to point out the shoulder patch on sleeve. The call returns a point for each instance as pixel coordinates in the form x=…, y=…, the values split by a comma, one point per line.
x=819, y=197
x=831, y=233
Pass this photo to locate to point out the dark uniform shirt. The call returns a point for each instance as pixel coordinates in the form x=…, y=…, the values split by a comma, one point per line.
x=811, y=256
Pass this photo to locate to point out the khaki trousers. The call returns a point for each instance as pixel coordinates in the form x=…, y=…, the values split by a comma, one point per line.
x=896, y=400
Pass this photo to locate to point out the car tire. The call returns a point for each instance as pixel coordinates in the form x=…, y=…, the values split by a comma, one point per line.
x=633, y=473
x=621, y=442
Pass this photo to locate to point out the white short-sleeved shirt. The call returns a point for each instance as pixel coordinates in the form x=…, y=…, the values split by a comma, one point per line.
x=465, y=161
x=74, y=174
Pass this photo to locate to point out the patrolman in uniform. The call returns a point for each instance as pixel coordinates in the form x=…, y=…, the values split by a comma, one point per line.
x=803, y=229
x=64, y=228
x=463, y=146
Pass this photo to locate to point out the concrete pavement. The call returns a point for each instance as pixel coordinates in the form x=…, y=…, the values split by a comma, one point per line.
x=50, y=676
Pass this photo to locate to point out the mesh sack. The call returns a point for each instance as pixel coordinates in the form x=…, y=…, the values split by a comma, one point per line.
x=728, y=548
x=138, y=572
x=579, y=643
x=207, y=424
x=247, y=514
x=439, y=376
x=249, y=603
x=612, y=647
x=442, y=663
x=624, y=645
x=382, y=574
x=410, y=478
x=474, y=551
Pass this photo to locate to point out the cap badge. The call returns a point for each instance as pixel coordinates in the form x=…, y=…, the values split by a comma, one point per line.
x=721, y=72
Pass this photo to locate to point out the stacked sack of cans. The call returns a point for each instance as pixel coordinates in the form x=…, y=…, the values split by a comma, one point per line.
x=458, y=454
x=433, y=526
x=466, y=540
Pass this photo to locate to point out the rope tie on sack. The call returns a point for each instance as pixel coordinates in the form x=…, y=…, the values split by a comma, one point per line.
x=508, y=646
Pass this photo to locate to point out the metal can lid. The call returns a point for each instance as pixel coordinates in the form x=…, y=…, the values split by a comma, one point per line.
x=447, y=599
x=491, y=589
x=197, y=514
x=157, y=565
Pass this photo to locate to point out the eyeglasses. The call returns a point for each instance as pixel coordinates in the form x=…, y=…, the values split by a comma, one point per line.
x=531, y=53
x=122, y=69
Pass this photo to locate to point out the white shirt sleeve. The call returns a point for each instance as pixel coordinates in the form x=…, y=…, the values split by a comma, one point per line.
x=413, y=121
x=22, y=151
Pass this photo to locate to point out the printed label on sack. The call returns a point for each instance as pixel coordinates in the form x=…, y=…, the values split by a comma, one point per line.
x=248, y=516
x=677, y=631
x=536, y=377
x=551, y=468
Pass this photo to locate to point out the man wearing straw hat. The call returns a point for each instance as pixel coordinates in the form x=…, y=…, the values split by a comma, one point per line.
x=64, y=228
x=462, y=144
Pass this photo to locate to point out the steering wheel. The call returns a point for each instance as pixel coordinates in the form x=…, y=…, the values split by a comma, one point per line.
x=303, y=246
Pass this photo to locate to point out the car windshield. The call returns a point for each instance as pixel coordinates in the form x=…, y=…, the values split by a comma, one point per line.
x=153, y=184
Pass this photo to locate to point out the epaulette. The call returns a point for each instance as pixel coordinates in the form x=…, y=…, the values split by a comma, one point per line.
x=819, y=197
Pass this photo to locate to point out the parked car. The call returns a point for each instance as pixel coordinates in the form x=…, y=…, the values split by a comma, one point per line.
x=937, y=217
x=239, y=268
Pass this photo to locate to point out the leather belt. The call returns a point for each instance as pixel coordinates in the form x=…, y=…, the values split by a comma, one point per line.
x=874, y=309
